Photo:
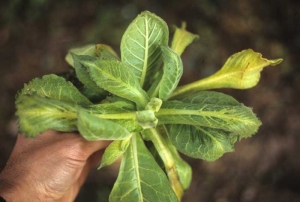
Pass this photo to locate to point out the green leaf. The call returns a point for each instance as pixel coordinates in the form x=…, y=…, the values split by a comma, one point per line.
x=140, y=178
x=140, y=46
x=178, y=171
x=237, y=119
x=182, y=39
x=84, y=76
x=113, y=152
x=116, y=78
x=89, y=49
x=201, y=142
x=55, y=87
x=211, y=97
x=106, y=52
x=93, y=127
x=172, y=73
x=120, y=112
x=37, y=114
x=241, y=71
x=210, y=143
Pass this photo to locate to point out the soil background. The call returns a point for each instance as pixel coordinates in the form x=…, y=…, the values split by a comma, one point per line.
x=36, y=34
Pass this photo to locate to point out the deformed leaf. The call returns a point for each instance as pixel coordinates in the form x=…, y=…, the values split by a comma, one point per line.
x=113, y=152
x=182, y=38
x=140, y=46
x=89, y=49
x=116, y=78
x=38, y=114
x=241, y=71
x=92, y=127
x=140, y=178
x=55, y=87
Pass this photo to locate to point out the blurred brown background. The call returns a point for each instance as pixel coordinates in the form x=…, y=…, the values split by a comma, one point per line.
x=36, y=34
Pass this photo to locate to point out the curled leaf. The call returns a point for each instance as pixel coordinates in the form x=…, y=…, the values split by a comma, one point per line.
x=240, y=71
x=38, y=114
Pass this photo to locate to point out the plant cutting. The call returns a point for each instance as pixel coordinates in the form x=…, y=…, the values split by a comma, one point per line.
x=134, y=100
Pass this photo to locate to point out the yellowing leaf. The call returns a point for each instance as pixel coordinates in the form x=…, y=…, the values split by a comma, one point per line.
x=182, y=39
x=241, y=71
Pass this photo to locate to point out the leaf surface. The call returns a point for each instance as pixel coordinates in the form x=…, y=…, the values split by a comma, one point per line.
x=172, y=72
x=38, y=114
x=55, y=87
x=116, y=78
x=140, y=178
x=113, y=152
x=140, y=45
x=119, y=112
x=201, y=142
x=206, y=140
x=84, y=76
x=92, y=127
x=89, y=49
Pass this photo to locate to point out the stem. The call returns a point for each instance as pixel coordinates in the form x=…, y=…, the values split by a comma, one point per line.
x=160, y=143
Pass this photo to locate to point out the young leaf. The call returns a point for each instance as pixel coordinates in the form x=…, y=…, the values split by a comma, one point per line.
x=201, y=142
x=182, y=39
x=241, y=71
x=113, y=152
x=55, y=87
x=116, y=78
x=172, y=73
x=89, y=49
x=239, y=120
x=91, y=127
x=140, y=178
x=38, y=114
x=146, y=119
x=140, y=46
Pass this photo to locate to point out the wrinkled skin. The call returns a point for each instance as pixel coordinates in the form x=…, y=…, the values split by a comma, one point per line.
x=51, y=167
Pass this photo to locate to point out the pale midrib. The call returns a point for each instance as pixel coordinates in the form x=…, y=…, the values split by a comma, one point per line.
x=129, y=115
x=178, y=112
x=145, y=65
x=53, y=113
x=136, y=166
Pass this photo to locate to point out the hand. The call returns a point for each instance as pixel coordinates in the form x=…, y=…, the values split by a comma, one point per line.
x=50, y=167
